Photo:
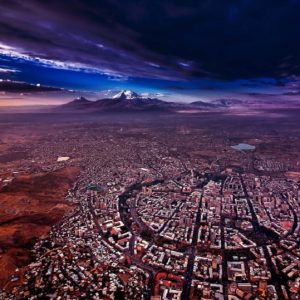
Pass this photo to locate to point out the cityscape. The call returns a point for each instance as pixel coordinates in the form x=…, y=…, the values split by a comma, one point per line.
x=149, y=150
x=161, y=218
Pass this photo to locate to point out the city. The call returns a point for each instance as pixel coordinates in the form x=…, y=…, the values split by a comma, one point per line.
x=160, y=218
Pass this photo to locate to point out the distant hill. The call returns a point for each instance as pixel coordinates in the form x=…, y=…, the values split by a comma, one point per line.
x=227, y=102
x=79, y=103
x=218, y=103
x=202, y=104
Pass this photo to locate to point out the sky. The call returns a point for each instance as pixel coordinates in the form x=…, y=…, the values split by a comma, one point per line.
x=180, y=50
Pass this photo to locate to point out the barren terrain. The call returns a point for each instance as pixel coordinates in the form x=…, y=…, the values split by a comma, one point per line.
x=29, y=206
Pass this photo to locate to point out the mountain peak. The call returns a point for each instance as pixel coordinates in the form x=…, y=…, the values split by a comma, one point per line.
x=126, y=94
x=81, y=99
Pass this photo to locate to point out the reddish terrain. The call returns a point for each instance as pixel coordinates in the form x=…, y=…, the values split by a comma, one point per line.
x=29, y=206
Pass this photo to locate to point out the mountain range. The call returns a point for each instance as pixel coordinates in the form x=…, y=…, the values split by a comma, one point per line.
x=127, y=100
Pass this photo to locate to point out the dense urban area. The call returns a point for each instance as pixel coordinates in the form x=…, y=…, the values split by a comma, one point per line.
x=161, y=207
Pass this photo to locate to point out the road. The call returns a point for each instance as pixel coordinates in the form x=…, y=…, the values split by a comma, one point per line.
x=256, y=227
x=189, y=273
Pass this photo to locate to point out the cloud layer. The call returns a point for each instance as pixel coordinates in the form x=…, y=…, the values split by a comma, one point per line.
x=169, y=40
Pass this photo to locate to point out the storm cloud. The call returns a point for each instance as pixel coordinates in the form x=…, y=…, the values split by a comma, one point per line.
x=172, y=40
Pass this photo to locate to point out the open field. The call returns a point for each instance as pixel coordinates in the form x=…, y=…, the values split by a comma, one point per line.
x=29, y=206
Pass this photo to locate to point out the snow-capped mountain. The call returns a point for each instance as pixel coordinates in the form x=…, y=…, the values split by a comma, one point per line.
x=126, y=94
x=125, y=100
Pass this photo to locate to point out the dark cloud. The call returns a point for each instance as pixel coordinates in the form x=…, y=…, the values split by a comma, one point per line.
x=23, y=87
x=160, y=39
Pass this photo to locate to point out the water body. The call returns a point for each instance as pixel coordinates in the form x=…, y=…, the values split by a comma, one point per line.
x=243, y=147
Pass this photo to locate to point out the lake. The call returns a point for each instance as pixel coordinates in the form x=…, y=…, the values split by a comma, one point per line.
x=243, y=147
